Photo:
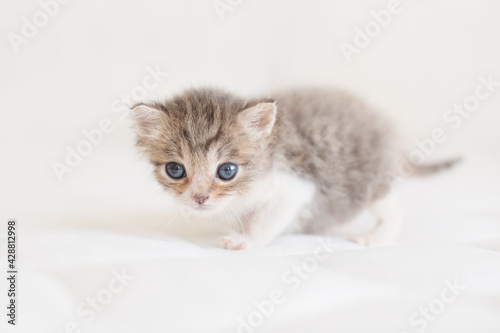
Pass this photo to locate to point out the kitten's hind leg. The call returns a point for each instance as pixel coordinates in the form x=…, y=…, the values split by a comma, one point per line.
x=387, y=212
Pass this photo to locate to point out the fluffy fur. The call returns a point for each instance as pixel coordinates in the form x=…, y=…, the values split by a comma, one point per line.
x=307, y=159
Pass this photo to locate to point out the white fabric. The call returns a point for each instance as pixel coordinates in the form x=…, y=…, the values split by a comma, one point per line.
x=184, y=284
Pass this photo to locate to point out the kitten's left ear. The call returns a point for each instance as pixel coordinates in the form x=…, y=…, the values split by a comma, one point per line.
x=259, y=119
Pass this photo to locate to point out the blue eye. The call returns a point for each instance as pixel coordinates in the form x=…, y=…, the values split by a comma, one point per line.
x=175, y=170
x=227, y=171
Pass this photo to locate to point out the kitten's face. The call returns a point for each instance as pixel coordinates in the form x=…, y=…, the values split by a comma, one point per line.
x=207, y=146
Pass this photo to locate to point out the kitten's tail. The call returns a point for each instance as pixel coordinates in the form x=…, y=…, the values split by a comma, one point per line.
x=429, y=169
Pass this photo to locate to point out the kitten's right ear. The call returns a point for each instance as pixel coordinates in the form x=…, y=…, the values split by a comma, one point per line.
x=147, y=119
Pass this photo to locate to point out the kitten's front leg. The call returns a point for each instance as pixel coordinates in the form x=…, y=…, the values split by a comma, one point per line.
x=234, y=242
x=281, y=208
x=265, y=225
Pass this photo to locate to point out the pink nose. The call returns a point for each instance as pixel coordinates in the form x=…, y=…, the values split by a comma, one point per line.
x=200, y=198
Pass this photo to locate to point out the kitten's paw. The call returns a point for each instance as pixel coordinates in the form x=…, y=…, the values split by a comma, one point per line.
x=234, y=242
x=372, y=240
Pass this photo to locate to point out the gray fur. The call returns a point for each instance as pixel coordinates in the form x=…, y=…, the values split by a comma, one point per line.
x=325, y=136
x=344, y=147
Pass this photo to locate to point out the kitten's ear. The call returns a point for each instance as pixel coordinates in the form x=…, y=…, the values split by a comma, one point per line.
x=259, y=119
x=147, y=119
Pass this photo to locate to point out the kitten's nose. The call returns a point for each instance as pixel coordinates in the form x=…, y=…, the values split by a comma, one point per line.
x=200, y=198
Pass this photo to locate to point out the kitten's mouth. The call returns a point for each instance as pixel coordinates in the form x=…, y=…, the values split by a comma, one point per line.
x=203, y=208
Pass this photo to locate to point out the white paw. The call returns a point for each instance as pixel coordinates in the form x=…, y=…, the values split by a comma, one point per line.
x=234, y=242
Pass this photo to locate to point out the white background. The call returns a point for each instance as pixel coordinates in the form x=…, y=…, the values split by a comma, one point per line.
x=67, y=77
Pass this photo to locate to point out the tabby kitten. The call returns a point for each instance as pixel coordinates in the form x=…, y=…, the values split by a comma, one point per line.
x=303, y=161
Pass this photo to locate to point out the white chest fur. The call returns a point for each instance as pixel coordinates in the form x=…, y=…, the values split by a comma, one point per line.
x=276, y=202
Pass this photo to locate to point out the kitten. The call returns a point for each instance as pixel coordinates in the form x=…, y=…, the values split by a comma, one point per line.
x=303, y=161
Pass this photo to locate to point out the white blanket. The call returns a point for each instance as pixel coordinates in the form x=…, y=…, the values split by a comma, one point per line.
x=136, y=276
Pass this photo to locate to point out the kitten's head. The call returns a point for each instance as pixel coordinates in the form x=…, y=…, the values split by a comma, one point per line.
x=207, y=146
